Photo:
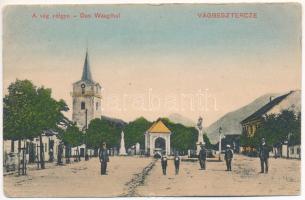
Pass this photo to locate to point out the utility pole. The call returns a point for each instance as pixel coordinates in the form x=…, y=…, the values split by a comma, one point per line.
x=288, y=143
x=219, y=147
x=86, y=127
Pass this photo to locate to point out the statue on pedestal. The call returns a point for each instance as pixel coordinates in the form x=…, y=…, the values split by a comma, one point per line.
x=122, y=146
x=200, y=140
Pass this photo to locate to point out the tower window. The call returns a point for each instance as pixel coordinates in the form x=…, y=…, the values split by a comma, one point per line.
x=83, y=106
x=96, y=106
x=83, y=88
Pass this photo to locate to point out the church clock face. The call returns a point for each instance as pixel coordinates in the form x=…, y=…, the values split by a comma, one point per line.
x=83, y=85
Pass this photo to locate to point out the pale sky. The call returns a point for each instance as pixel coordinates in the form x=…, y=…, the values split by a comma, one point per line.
x=158, y=60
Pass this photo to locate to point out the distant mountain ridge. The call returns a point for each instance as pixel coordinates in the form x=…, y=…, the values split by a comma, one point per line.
x=230, y=122
x=177, y=118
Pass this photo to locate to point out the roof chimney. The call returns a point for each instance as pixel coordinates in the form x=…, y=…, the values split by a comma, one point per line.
x=270, y=98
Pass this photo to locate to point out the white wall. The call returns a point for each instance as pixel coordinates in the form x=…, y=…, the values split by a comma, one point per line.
x=293, y=151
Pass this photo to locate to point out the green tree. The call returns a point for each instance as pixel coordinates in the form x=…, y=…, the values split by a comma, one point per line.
x=276, y=129
x=100, y=130
x=134, y=131
x=72, y=137
x=29, y=111
x=183, y=138
x=207, y=141
x=18, y=111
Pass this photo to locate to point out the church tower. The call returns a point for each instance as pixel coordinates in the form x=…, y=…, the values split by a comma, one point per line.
x=86, y=98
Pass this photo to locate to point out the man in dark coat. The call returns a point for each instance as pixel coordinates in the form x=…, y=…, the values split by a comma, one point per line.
x=264, y=155
x=228, y=157
x=104, y=158
x=202, y=157
x=177, y=162
x=164, y=163
x=59, y=155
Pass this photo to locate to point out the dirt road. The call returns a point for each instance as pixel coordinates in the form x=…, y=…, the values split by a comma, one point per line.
x=244, y=179
x=81, y=179
x=134, y=176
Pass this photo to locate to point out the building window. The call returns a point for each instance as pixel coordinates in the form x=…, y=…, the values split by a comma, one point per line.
x=83, y=88
x=45, y=147
x=96, y=106
x=298, y=151
x=82, y=106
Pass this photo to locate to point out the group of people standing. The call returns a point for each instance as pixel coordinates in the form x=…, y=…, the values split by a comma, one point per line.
x=263, y=155
x=176, y=163
x=203, y=156
x=228, y=156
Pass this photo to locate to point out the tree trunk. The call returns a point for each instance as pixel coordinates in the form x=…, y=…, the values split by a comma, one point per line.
x=41, y=153
x=19, y=146
x=78, y=154
x=67, y=154
x=24, y=159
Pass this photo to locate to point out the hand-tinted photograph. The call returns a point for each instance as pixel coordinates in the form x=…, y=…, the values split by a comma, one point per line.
x=147, y=100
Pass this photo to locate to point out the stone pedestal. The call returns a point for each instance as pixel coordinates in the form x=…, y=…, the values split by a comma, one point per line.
x=200, y=141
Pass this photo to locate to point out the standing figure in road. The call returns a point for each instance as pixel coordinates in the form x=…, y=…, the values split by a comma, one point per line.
x=202, y=157
x=229, y=157
x=264, y=155
x=51, y=155
x=177, y=162
x=104, y=158
x=59, y=155
x=164, y=163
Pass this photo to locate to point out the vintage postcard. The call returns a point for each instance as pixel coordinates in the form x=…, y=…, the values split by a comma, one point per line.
x=125, y=100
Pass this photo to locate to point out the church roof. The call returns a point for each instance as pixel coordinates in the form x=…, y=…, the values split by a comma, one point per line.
x=86, y=76
x=158, y=127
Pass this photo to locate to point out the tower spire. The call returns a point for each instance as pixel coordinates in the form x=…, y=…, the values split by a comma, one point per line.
x=86, y=76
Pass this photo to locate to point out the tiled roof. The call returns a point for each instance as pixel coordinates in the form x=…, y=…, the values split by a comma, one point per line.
x=158, y=127
x=263, y=110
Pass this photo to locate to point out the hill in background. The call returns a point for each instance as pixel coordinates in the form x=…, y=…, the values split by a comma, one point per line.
x=230, y=122
x=177, y=118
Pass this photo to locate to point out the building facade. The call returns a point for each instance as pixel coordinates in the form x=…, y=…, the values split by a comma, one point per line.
x=86, y=98
x=157, y=139
x=275, y=106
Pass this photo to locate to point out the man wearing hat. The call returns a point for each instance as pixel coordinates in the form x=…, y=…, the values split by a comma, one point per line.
x=177, y=162
x=229, y=157
x=202, y=157
x=104, y=158
x=164, y=163
x=59, y=155
x=264, y=155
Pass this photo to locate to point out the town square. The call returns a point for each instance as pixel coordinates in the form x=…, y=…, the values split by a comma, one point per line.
x=112, y=108
x=125, y=178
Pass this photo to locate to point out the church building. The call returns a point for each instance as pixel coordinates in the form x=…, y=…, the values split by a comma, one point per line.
x=86, y=98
